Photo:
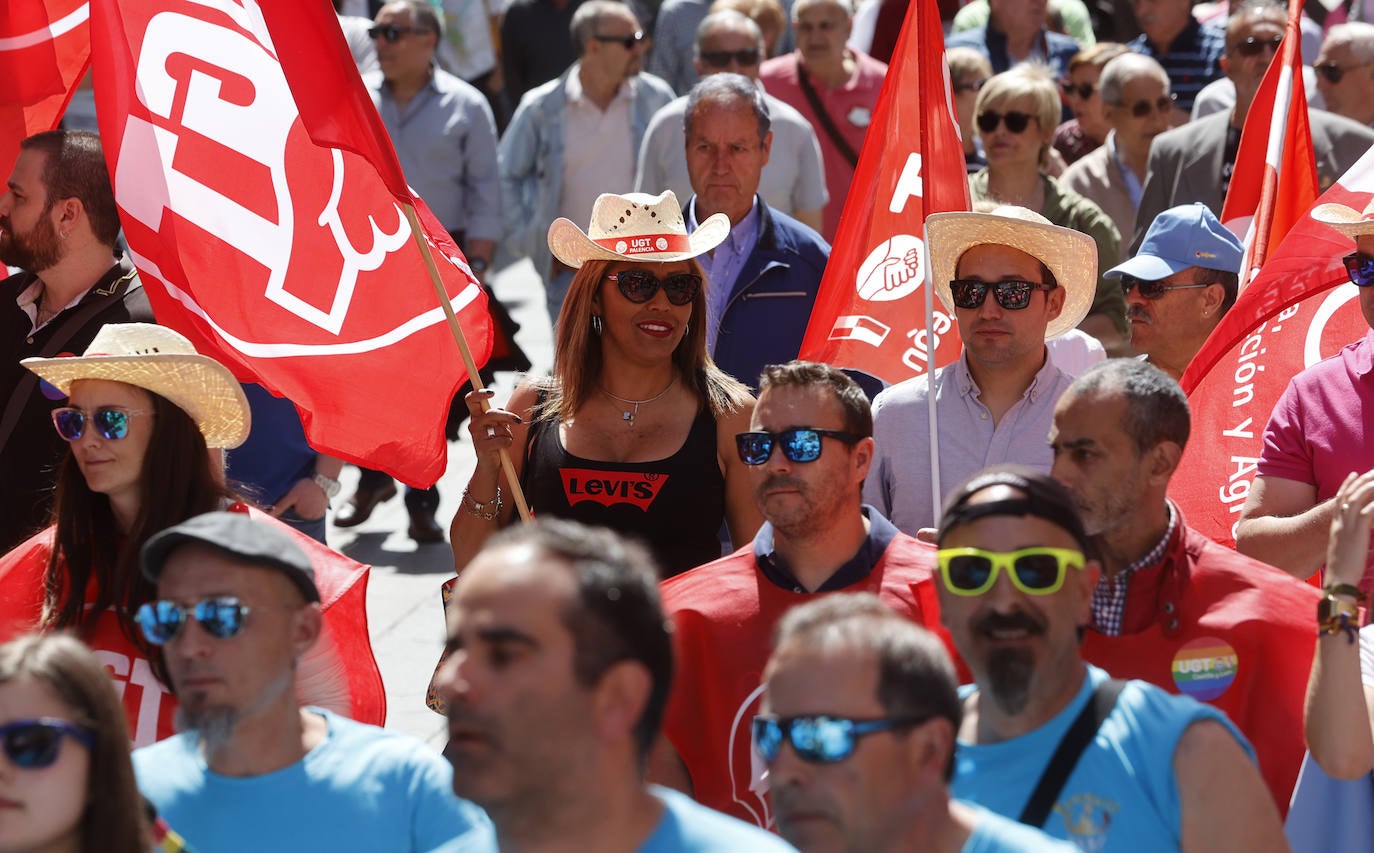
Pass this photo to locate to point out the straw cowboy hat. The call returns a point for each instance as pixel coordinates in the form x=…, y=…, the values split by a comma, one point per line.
x=160, y=360
x=1070, y=255
x=1346, y=220
x=635, y=227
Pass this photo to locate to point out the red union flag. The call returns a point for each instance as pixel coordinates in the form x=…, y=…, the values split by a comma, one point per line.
x=275, y=244
x=1275, y=178
x=1300, y=309
x=868, y=312
x=44, y=50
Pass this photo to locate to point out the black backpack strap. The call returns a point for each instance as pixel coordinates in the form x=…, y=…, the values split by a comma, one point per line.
x=827, y=122
x=1071, y=748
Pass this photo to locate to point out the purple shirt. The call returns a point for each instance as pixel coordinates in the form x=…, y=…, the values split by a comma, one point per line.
x=723, y=265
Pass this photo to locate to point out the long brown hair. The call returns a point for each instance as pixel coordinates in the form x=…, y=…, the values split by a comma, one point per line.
x=114, y=818
x=578, y=359
x=176, y=481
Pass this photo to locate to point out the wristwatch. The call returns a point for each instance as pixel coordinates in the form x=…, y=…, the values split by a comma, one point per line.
x=331, y=486
x=1337, y=614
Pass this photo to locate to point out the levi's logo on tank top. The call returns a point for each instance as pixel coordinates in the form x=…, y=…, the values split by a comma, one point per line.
x=608, y=488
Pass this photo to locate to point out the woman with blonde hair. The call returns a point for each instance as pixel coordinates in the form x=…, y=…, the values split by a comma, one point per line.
x=635, y=430
x=1016, y=115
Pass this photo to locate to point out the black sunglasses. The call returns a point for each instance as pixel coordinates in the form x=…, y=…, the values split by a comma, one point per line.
x=970, y=86
x=1016, y=122
x=35, y=743
x=1082, y=90
x=1012, y=295
x=1360, y=268
x=110, y=422
x=819, y=739
x=627, y=42
x=799, y=444
x=1253, y=45
x=639, y=286
x=393, y=33
x=221, y=617
x=722, y=58
x=1162, y=104
x=1333, y=72
x=1155, y=289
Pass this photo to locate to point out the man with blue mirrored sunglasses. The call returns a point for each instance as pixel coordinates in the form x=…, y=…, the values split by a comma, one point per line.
x=808, y=450
x=858, y=731
x=1054, y=742
x=236, y=609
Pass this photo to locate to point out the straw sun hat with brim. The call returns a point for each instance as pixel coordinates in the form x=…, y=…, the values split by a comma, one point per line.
x=160, y=360
x=1346, y=220
x=635, y=227
x=1070, y=255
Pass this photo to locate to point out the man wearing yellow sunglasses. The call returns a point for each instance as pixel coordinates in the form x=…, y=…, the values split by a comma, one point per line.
x=1052, y=741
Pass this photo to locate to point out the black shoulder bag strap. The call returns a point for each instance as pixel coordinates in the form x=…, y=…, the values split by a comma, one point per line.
x=827, y=123
x=74, y=323
x=1071, y=748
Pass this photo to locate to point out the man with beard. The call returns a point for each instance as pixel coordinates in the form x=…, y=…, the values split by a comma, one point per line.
x=559, y=662
x=59, y=224
x=1172, y=607
x=808, y=451
x=1051, y=740
x=237, y=606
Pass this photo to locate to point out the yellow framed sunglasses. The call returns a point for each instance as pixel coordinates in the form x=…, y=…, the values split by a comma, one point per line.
x=1034, y=571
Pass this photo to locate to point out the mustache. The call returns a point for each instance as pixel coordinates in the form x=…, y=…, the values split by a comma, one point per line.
x=1133, y=312
x=989, y=623
x=780, y=481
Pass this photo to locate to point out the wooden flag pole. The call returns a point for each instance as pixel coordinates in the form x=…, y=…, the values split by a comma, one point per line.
x=506, y=467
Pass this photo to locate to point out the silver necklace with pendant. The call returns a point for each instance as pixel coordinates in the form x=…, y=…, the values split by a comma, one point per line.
x=629, y=415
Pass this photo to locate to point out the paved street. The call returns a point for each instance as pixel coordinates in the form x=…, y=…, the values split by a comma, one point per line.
x=403, y=608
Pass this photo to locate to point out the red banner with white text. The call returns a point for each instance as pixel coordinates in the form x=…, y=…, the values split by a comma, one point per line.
x=44, y=52
x=870, y=312
x=1300, y=309
x=275, y=242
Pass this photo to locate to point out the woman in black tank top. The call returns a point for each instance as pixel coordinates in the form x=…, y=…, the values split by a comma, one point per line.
x=635, y=428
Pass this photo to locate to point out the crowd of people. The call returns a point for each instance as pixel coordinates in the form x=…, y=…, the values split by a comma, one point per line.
x=767, y=604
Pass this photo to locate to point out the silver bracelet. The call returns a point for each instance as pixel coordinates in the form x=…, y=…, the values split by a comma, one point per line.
x=488, y=511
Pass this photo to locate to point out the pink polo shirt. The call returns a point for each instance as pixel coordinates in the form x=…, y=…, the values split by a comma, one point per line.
x=851, y=109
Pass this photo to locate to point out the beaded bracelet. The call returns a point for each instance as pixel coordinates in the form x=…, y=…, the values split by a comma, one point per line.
x=488, y=511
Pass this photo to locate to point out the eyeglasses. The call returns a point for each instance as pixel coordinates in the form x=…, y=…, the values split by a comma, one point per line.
x=1162, y=104
x=392, y=33
x=111, y=422
x=818, y=739
x=627, y=42
x=639, y=286
x=1253, y=45
x=1016, y=122
x=1012, y=295
x=1333, y=72
x=723, y=58
x=1360, y=268
x=219, y=617
x=970, y=86
x=1034, y=571
x=34, y=744
x=1082, y=90
x=799, y=444
x=1155, y=289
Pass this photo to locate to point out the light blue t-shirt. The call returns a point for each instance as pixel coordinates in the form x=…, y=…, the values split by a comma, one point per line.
x=1122, y=795
x=996, y=834
x=364, y=788
x=686, y=827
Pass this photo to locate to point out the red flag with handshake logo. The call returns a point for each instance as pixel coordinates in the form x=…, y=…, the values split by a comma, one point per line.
x=43, y=55
x=1300, y=309
x=258, y=192
x=868, y=314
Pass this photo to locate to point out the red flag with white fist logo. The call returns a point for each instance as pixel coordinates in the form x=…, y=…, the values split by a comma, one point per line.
x=44, y=52
x=871, y=312
x=266, y=227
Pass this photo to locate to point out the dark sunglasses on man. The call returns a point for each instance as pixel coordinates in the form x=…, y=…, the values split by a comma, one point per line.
x=1253, y=45
x=1017, y=122
x=639, y=286
x=722, y=58
x=1162, y=104
x=1083, y=90
x=1156, y=289
x=1360, y=268
x=221, y=617
x=1011, y=294
x=392, y=33
x=799, y=444
x=1335, y=73
x=1034, y=571
x=819, y=739
x=627, y=42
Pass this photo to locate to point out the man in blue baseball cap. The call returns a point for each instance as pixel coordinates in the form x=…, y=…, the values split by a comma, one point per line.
x=1180, y=284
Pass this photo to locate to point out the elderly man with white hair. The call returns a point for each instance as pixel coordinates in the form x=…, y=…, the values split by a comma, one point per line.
x=1345, y=71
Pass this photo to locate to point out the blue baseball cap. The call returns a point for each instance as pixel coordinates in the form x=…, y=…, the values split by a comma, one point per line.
x=1185, y=236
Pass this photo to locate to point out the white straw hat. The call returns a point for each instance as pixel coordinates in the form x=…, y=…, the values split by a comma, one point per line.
x=1070, y=255
x=1346, y=220
x=160, y=360
x=635, y=227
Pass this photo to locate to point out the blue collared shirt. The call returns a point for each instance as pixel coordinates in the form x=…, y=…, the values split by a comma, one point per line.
x=881, y=532
x=724, y=264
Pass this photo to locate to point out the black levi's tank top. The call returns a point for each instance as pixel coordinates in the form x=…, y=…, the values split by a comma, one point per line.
x=674, y=506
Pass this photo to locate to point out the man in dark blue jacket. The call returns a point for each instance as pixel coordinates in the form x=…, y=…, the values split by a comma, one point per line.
x=763, y=280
